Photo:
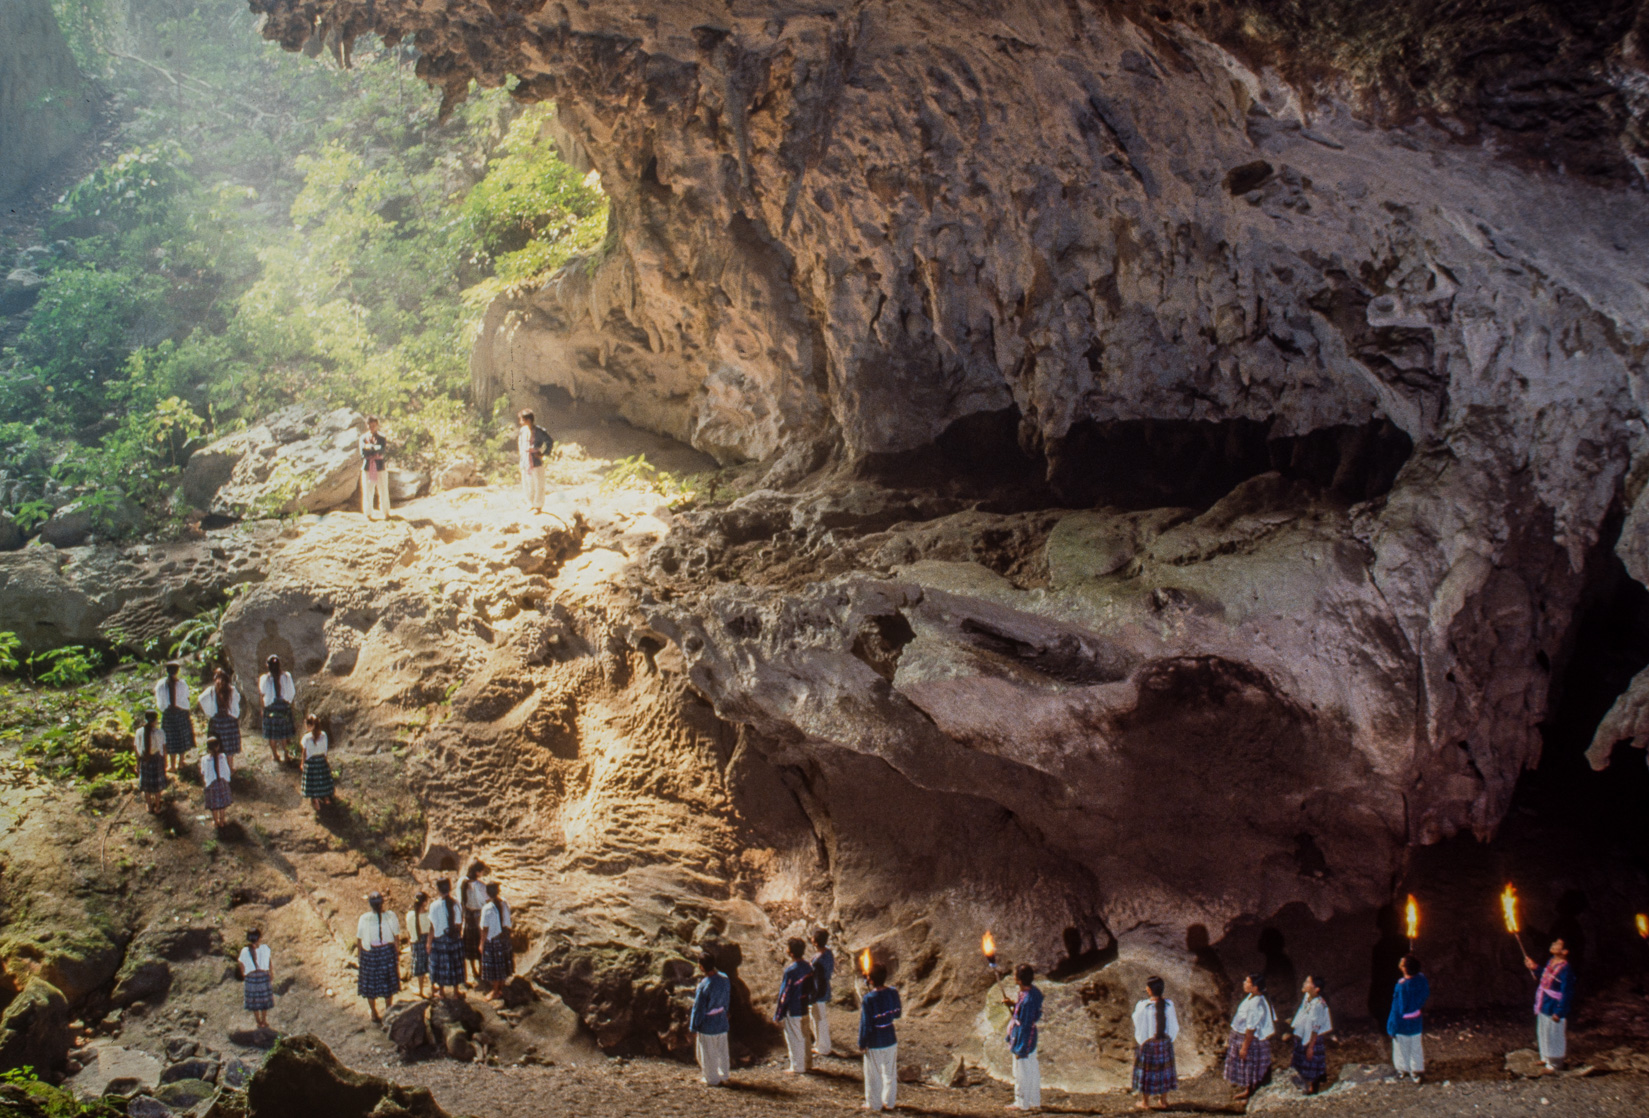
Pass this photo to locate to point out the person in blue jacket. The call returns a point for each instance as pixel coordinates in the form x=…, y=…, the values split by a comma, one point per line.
x=1026, y=1012
x=795, y=991
x=1405, y=1024
x=824, y=969
x=1554, y=990
x=879, y=1042
x=708, y=1022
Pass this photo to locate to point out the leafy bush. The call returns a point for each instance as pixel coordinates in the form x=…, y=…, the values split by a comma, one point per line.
x=9, y=644
x=69, y=666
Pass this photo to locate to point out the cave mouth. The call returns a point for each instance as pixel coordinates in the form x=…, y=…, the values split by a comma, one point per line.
x=1140, y=464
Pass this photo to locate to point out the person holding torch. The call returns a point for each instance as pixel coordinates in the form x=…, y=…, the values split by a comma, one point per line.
x=1406, y=1023
x=708, y=1022
x=878, y=1009
x=795, y=991
x=1551, y=1005
x=1026, y=1012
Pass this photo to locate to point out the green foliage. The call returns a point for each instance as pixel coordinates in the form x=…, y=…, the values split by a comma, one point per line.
x=635, y=472
x=194, y=635
x=9, y=644
x=31, y=514
x=68, y=666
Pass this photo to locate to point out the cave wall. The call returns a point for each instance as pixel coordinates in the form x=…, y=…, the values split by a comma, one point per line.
x=44, y=106
x=859, y=231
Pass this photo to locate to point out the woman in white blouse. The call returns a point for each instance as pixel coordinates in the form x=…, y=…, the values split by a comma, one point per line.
x=1248, y=1049
x=172, y=699
x=316, y=784
x=1156, y=1027
x=220, y=703
x=151, y=761
x=1311, y=1024
x=277, y=690
x=214, y=777
x=255, y=971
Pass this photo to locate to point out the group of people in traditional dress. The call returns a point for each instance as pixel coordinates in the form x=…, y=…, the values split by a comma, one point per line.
x=167, y=734
x=533, y=445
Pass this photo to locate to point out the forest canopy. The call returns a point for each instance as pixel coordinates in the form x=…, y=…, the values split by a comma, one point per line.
x=252, y=229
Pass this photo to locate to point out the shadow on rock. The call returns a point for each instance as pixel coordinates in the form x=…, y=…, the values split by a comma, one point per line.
x=302, y=1077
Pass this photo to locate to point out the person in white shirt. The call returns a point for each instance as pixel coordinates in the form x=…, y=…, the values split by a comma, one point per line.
x=497, y=950
x=374, y=473
x=259, y=992
x=277, y=690
x=532, y=447
x=446, y=959
x=1156, y=1027
x=420, y=930
x=214, y=778
x=151, y=761
x=377, y=932
x=316, y=784
x=1248, y=1049
x=172, y=698
x=473, y=894
x=220, y=703
x=1311, y=1024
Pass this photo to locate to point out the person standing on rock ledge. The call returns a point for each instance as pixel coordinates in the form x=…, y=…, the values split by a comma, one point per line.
x=824, y=969
x=374, y=475
x=474, y=896
x=1248, y=1049
x=791, y=1010
x=315, y=784
x=277, y=689
x=1022, y=1038
x=172, y=697
x=419, y=931
x=151, y=761
x=220, y=703
x=533, y=445
x=879, y=1041
x=708, y=1022
x=1156, y=1027
x=376, y=933
x=497, y=950
x=1311, y=1024
x=214, y=779
x=259, y=993
x=1406, y=1023
x=446, y=949
x=1553, y=993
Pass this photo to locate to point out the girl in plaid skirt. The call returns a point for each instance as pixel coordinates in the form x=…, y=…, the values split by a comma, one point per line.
x=1156, y=1026
x=380, y=975
x=151, y=760
x=497, y=952
x=1311, y=1024
x=277, y=690
x=316, y=785
x=220, y=703
x=1248, y=1049
x=214, y=777
x=259, y=992
x=419, y=931
x=446, y=948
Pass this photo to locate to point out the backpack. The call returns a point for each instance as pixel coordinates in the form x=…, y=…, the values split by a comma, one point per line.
x=542, y=444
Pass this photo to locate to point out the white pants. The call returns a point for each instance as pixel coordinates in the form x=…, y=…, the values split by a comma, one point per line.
x=380, y=487
x=1408, y=1055
x=713, y=1059
x=1027, y=1082
x=795, y=1041
x=1553, y=1036
x=882, y=1078
x=532, y=487
x=821, y=1028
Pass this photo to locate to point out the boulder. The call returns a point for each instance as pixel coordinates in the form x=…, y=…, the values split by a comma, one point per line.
x=77, y=522
x=297, y=460
x=12, y=537
x=302, y=1077
x=235, y=1076
x=142, y=979
x=35, y=1029
x=406, y=485
x=254, y=1038
x=115, y=1070
x=74, y=960
x=1526, y=1064
x=460, y=474
x=146, y=1106
x=197, y=1067
x=19, y=290
x=405, y=1025
x=185, y=1094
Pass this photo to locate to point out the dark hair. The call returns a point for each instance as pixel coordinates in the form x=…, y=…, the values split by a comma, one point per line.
x=420, y=897
x=820, y=938
x=312, y=719
x=796, y=947
x=707, y=961
x=477, y=868
x=220, y=684
x=372, y=419
x=150, y=716
x=214, y=744
x=525, y=415
x=1411, y=964
x=253, y=935
x=878, y=974
x=1317, y=982
x=1155, y=985
x=492, y=889
x=173, y=667
x=443, y=886
x=375, y=901
x=1258, y=980
x=1024, y=973
x=274, y=666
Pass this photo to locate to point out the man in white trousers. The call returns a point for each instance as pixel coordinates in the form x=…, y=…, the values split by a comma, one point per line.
x=708, y=1022
x=1026, y=1011
x=374, y=473
x=795, y=992
x=824, y=969
x=879, y=1042
x=532, y=447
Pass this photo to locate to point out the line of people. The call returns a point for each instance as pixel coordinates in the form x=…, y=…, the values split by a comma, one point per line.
x=167, y=735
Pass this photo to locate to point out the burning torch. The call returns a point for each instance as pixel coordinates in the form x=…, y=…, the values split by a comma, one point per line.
x=1643, y=936
x=987, y=944
x=864, y=965
x=1508, y=909
x=1411, y=920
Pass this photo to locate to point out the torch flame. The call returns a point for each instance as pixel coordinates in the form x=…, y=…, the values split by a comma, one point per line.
x=1411, y=915
x=864, y=962
x=1643, y=925
x=987, y=944
x=1508, y=906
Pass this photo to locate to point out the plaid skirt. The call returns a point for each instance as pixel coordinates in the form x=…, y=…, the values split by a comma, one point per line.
x=179, y=729
x=420, y=958
x=226, y=730
x=1311, y=1067
x=317, y=778
x=218, y=796
x=380, y=972
x=497, y=958
x=1251, y=1072
x=1154, y=1072
x=446, y=961
x=277, y=721
x=151, y=773
x=472, y=934
x=259, y=996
